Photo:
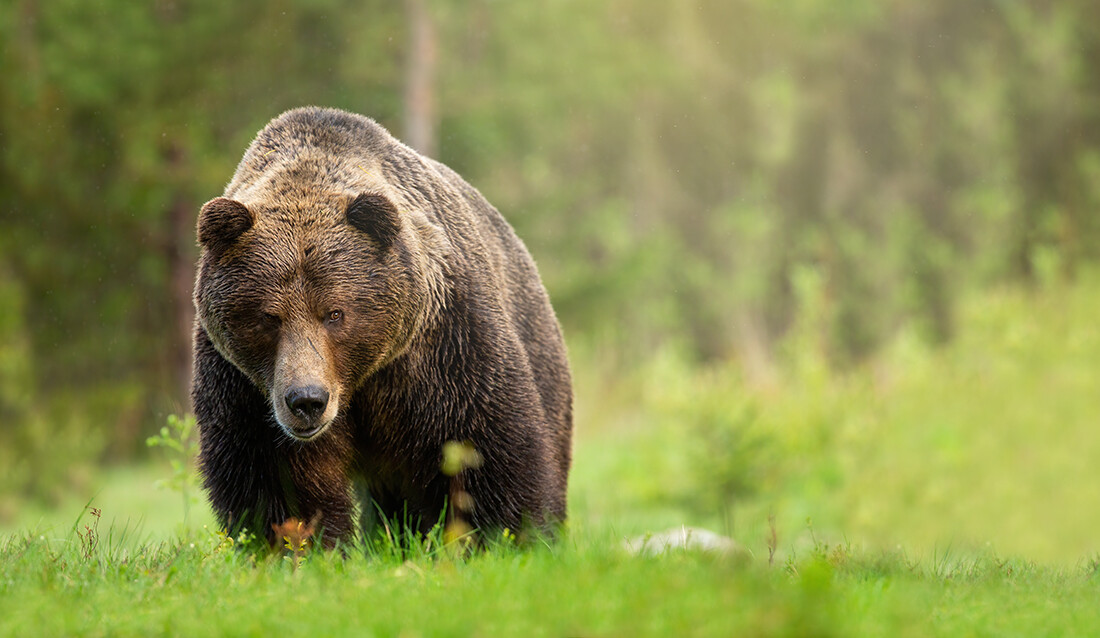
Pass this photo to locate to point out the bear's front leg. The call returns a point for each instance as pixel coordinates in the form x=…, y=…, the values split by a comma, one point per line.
x=255, y=476
x=315, y=485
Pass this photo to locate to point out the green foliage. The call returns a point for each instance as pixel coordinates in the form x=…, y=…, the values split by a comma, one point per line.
x=788, y=241
x=672, y=166
x=181, y=441
x=43, y=450
x=716, y=455
x=983, y=442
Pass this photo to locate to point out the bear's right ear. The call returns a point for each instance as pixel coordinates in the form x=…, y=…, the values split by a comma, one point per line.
x=221, y=223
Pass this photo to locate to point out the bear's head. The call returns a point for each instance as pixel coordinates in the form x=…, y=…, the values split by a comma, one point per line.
x=309, y=298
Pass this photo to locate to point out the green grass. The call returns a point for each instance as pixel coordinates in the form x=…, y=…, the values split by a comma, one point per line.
x=580, y=586
x=930, y=492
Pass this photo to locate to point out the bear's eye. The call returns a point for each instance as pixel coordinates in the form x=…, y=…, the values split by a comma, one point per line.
x=269, y=320
x=335, y=316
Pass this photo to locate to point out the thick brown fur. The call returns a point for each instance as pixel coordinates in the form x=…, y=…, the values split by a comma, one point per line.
x=341, y=264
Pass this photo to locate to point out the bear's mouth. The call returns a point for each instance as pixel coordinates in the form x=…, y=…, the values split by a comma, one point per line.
x=307, y=435
x=302, y=431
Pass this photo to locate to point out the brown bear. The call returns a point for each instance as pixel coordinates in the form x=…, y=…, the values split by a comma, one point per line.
x=360, y=307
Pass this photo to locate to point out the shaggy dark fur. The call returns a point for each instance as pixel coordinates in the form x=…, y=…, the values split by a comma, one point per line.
x=359, y=306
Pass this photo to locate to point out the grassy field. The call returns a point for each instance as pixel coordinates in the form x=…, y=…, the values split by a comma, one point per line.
x=583, y=586
x=931, y=492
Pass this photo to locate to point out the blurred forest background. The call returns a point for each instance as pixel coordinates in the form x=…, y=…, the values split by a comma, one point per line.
x=762, y=224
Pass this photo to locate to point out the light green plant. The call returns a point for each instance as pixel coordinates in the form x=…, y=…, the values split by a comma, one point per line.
x=181, y=441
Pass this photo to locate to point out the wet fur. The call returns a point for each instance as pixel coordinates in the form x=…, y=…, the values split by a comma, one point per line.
x=452, y=338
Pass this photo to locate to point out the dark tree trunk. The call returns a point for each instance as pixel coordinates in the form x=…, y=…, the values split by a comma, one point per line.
x=181, y=273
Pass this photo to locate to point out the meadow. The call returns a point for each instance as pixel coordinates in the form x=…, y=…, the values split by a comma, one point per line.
x=943, y=491
x=828, y=273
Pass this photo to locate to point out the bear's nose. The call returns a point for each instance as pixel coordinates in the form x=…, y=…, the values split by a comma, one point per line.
x=307, y=402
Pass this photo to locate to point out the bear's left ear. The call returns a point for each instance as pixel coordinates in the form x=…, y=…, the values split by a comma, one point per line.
x=377, y=216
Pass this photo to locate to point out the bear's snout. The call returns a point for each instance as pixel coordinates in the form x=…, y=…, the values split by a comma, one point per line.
x=305, y=410
x=305, y=393
x=307, y=403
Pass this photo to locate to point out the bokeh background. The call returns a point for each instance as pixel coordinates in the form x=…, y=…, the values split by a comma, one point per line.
x=831, y=265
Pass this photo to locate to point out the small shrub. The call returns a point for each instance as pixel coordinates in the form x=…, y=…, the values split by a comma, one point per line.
x=180, y=439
